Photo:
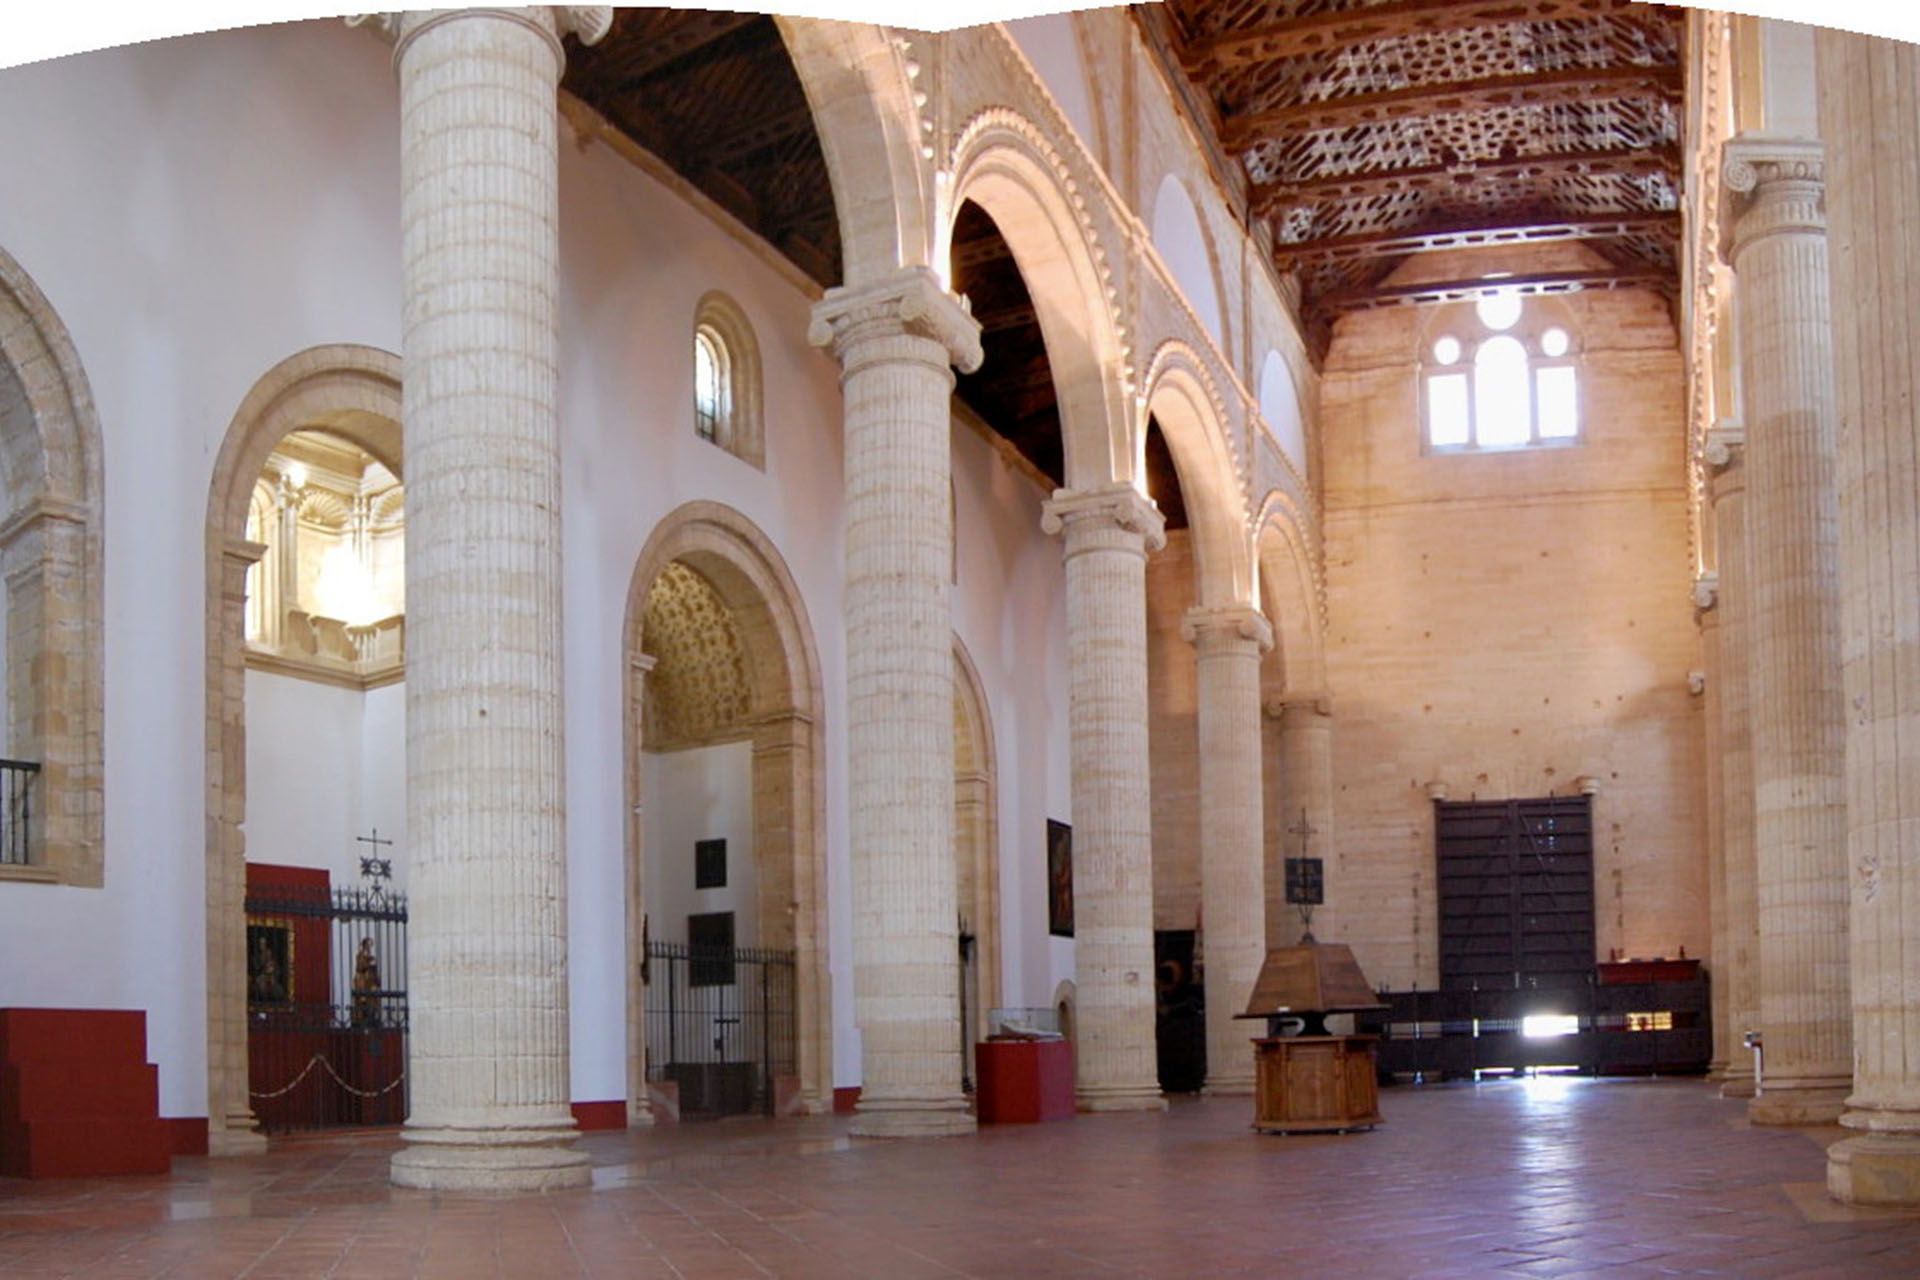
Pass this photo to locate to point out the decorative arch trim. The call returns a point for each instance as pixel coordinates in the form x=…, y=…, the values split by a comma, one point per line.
x=353, y=391
x=51, y=556
x=1182, y=396
x=1005, y=164
x=786, y=713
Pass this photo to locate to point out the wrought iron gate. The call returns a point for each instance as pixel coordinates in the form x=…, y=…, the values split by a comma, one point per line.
x=327, y=1008
x=720, y=1026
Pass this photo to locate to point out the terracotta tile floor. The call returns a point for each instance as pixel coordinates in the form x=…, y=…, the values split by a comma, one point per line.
x=1555, y=1177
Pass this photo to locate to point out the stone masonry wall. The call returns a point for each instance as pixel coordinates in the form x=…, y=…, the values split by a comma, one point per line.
x=1507, y=623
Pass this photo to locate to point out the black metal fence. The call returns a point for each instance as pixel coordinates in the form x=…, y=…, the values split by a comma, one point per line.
x=327, y=1009
x=1627, y=1029
x=720, y=1025
x=16, y=810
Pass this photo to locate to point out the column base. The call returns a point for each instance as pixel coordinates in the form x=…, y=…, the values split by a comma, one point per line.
x=1875, y=1169
x=1120, y=1098
x=517, y=1160
x=899, y=1118
x=1228, y=1087
x=225, y=1142
x=1737, y=1087
x=1774, y=1105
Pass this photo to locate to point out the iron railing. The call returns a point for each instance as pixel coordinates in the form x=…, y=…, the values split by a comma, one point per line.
x=327, y=1008
x=720, y=1025
x=16, y=811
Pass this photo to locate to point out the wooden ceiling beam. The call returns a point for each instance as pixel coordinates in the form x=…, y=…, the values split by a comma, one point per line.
x=689, y=31
x=1401, y=295
x=1554, y=88
x=1350, y=28
x=736, y=145
x=1270, y=198
x=1532, y=230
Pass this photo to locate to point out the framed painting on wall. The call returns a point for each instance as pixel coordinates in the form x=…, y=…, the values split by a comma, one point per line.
x=1059, y=879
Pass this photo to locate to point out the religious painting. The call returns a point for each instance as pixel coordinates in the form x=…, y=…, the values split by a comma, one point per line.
x=270, y=962
x=710, y=864
x=1059, y=879
x=710, y=949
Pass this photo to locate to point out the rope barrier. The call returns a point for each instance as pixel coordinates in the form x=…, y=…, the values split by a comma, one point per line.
x=321, y=1061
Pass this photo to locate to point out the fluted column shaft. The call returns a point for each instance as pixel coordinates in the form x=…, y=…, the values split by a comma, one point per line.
x=485, y=789
x=1779, y=252
x=1306, y=794
x=1736, y=957
x=1867, y=94
x=1109, y=531
x=1229, y=642
x=1707, y=619
x=896, y=340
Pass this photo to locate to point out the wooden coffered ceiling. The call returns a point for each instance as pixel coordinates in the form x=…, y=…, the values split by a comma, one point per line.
x=1372, y=130
x=715, y=96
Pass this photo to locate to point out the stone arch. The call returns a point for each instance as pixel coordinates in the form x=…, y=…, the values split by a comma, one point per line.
x=976, y=832
x=1182, y=398
x=789, y=744
x=351, y=391
x=1290, y=595
x=50, y=554
x=1003, y=164
x=859, y=82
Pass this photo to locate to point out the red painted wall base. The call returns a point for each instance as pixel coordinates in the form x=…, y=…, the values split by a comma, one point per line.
x=77, y=1096
x=600, y=1115
x=189, y=1134
x=845, y=1100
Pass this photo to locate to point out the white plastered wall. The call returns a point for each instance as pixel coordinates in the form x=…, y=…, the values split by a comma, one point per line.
x=191, y=254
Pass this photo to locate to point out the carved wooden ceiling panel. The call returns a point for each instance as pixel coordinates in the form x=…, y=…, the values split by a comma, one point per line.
x=715, y=96
x=1371, y=130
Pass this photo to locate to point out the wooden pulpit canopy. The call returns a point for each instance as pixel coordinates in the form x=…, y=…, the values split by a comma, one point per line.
x=1315, y=977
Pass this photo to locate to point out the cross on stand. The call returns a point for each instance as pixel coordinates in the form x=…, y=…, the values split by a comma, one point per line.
x=1306, y=887
x=372, y=866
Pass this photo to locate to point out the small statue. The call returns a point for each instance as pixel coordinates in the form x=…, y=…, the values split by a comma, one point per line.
x=366, y=986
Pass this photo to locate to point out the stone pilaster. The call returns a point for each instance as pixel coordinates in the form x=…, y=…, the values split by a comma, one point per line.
x=486, y=799
x=1736, y=953
x=1306, y=792
x=231, y=1124
x=897, y=339
x=1867, y=118
x=1779, y=254
x=1229, y=642
x=1109, y=531
x=1706, y=616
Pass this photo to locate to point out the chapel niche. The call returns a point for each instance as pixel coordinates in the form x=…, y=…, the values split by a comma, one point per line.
x=327, y=598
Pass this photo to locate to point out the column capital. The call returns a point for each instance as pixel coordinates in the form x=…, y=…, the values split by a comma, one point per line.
x=1771, y=186
x=1109, y=506
x=1726, y=440
x=910, y=302
x=1224, y=628
x=1297, y=706
x=588, y=21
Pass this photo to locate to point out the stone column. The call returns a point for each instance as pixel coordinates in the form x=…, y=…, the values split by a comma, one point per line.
x=1232, y=861
x=897, y=339
x=1867, y=117
x=1779, y=254
x=1109, y=531
x=1306, y=792
x=486, y=799
x=1736, y=954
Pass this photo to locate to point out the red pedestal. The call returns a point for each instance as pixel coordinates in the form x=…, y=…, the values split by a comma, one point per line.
x=77, y=1095
x=1024, y=1081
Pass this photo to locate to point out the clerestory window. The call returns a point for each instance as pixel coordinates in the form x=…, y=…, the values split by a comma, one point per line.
x=1499, y=373
x=726, y=380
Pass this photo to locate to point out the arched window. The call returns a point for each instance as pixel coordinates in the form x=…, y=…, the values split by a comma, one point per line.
x=1499, y=373
x=726, y=380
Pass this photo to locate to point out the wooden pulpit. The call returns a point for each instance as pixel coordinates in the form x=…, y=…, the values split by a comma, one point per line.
x=1310, y=1081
